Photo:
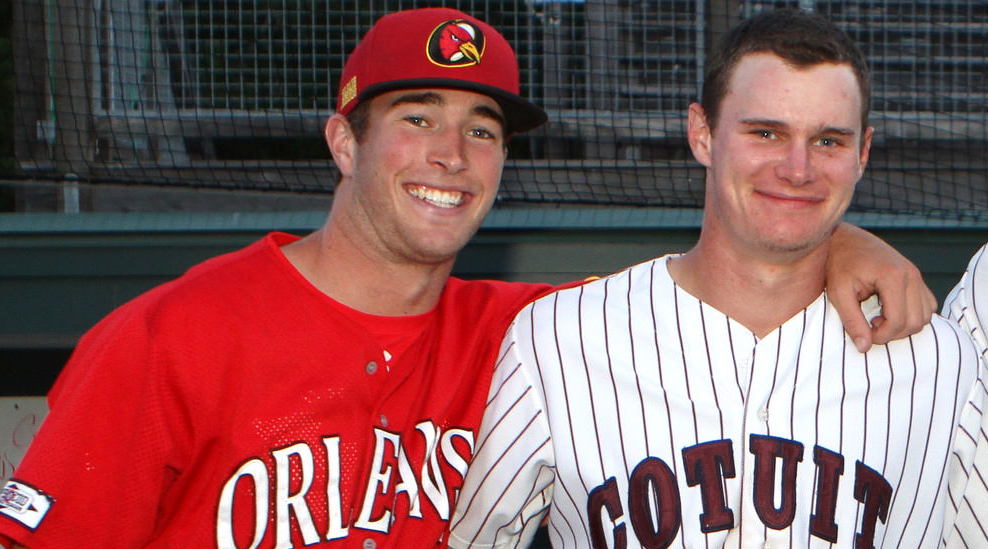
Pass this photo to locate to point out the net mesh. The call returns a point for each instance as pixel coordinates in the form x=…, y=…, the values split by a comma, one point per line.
x=234, y=94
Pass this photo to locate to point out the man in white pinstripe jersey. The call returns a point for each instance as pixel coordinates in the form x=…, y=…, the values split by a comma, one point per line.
x=967, y=303
x=712, y=399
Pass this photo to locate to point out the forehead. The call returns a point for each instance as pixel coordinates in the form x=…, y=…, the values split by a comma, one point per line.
x=767, y=85
x=440, y=97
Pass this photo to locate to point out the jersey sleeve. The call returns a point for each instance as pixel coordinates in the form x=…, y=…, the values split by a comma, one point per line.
x=967, y=303
x=101, y=453
x=967, y=512
x=508, y=486
x=966, y=517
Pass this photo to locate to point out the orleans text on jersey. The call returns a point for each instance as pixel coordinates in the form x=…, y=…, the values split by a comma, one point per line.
x=637, y=416
x=277, y=489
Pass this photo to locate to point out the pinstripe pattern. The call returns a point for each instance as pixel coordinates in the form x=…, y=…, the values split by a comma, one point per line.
x=653, y=387
x=968, y=493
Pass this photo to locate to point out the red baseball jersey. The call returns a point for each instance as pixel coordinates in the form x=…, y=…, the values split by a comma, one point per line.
x=240, y=407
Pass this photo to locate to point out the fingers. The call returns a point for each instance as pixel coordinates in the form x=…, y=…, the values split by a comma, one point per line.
x=907, y=306
x=848, y=305
x=859, y=265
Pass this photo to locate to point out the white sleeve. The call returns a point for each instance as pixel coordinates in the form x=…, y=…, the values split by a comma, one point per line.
x=967, y=513
x=967, y=303
x=508, y=487
x=966, y=517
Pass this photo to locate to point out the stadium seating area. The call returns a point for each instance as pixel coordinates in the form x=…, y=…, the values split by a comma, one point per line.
x=234, y=94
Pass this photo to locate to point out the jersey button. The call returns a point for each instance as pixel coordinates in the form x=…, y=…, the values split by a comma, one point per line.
x=371, y=369
x=370, y=544
x=384, y=423
x=763, y=415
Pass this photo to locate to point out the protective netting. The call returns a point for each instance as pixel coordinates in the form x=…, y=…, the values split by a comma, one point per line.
x=234, y=94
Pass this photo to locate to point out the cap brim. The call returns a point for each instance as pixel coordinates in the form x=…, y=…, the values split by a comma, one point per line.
x=520, y=114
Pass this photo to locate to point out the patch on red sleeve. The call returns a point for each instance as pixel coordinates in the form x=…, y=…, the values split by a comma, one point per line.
x=25, y=504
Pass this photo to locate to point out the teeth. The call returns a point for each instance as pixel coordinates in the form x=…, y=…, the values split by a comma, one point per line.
x=436, y=197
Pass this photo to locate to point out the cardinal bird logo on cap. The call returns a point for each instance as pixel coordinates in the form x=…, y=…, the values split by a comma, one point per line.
x=456, y=43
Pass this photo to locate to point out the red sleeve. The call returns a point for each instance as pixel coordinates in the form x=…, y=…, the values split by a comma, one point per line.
x=103, y=451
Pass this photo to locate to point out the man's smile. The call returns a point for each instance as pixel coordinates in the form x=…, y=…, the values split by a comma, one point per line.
x=437, y=197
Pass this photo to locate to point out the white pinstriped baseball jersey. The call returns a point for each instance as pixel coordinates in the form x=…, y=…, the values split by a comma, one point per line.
x=968, y=305
x=968, y=301
x=638, y=416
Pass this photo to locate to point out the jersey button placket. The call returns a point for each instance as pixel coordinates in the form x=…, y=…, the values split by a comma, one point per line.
x=745, y=368
x=763, y=414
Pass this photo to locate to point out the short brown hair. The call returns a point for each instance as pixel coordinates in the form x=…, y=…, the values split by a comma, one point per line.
x=800, y=38
x=359, y=118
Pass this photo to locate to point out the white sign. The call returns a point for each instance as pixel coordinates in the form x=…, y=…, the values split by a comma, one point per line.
x=20, y=418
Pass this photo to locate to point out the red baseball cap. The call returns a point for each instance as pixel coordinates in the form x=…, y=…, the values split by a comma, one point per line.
x=437, y=48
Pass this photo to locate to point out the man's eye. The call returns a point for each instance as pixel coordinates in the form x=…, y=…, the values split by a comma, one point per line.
x=415, y=120
x=829, y=142
x=482, y=133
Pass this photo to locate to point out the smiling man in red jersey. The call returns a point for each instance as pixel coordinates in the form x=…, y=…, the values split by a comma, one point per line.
x=322, y=391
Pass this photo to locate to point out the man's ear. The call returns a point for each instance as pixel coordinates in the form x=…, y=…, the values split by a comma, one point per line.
x=865, y=152
x=698, y=134
x=341, y=142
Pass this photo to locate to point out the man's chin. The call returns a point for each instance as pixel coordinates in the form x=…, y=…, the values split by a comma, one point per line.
x=438, y=253
x=793, y=240
x=794, y=246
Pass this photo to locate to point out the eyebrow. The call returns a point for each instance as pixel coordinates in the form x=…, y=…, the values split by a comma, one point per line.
x=487, y=112
x=766, y=122
x=433, y=98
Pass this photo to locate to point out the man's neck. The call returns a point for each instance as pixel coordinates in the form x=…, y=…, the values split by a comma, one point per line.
x=761, y=295
x=340, y=269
